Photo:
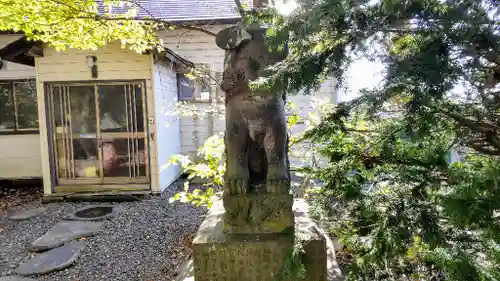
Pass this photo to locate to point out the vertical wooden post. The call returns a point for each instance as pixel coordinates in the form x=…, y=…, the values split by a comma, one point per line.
x=98, y=131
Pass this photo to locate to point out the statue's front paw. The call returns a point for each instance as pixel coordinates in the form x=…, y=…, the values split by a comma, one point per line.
x=278, y=186
x=236, y=187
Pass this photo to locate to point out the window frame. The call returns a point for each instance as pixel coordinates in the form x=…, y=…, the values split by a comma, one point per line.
x=213, y=88
x=180, y=77
x=16, y=130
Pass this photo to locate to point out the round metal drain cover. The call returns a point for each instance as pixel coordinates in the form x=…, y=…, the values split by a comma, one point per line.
x=94, y=213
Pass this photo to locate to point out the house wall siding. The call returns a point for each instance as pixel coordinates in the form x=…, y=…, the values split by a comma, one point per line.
x=15, y=71
x=114, y=63
x=20, y=156
x=196, y=46
x=200, y=48
x=8, y=38
x=167, y=126
x=23, y=161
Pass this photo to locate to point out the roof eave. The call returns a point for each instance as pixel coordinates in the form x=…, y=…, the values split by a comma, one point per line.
x=183, y=64
x=232, y=20
x=21, y=51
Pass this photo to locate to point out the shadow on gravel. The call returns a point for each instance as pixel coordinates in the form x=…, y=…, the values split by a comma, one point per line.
x=14, y=193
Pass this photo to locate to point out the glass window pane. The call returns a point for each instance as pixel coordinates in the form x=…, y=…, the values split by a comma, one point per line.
x=82, y=110
x=85, y=153
x=139, y=109
x=124, y=157
x=205, y=92
x=185, y=88
x=119, y=111
x=220, y=93
x=7, y=120
x=58, y=107
x=27, y=109
x=113, y=110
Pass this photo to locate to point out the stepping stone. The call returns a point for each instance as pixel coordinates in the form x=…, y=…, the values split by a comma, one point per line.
x=64, y=232
x=27, y=214
x=16, y=278
x=52, y=260
x=94, y=213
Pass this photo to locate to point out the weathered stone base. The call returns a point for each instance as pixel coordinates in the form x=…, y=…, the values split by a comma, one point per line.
x=219, y=256
x=258, y=213
x=246, y=259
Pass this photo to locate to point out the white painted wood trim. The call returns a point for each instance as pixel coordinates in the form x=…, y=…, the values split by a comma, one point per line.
x=153, y=142
x=44, y=144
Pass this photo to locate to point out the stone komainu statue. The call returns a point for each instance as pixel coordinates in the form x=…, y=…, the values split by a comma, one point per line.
x=256, y=134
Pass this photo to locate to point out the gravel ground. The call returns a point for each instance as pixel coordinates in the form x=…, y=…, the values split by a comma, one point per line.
x=146, y=242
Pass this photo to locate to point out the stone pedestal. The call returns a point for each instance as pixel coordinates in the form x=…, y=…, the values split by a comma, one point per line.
x=258, y=214
x=224, y=256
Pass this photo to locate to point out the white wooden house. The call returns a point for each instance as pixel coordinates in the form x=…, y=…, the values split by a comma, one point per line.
x=19, y=139
x=95, y=120
x=98, y=118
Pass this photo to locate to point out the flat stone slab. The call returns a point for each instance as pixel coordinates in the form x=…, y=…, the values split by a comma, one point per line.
x=64, y=232
x=95, y=212
x=52, y=260
x=26, y=214
x=16, y=278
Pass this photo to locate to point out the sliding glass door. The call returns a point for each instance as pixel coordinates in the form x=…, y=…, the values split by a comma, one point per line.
x=99, y=133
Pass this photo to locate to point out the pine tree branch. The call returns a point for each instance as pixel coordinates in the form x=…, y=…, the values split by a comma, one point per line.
x=489, y=131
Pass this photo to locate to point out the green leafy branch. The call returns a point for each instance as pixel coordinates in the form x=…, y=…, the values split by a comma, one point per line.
x=293, y=265
x=210, y=168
